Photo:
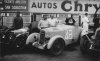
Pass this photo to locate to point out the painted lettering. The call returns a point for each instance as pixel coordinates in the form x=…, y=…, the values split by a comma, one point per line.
x=63, y=5
x=44, y=5
x=95, y=6
x=39, y=5
x=78, y=6
x=49, y=5
x=54, y=6
x=34, y=5
x=87, y=6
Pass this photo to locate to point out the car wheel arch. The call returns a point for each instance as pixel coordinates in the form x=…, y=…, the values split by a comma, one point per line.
x=30, y=38
x=52, y=40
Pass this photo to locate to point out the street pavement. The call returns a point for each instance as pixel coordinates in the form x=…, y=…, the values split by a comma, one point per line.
x=71, y=53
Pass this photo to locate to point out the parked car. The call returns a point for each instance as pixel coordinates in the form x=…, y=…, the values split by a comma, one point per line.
x=90, y=43
x=13, y=39
x=54, y=39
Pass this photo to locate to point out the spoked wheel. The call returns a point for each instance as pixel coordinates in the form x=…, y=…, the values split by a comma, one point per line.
x=20, y=42
x=84, y=44
x=57, y=47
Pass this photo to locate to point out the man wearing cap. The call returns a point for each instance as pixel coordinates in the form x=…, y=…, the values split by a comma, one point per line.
x=69, y=20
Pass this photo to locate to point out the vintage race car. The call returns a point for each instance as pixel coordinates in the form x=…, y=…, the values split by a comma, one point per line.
x=14, y=38
x=54, y=39
x=90, y=43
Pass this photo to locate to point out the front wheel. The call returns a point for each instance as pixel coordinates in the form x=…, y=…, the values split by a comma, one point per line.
x=57, y=47
x=84, y=44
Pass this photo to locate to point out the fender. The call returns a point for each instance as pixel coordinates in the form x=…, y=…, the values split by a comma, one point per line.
x=30, y=38
x=51, y=41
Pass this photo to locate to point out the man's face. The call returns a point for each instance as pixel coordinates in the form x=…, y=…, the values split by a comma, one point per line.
x=69, y=15
x=44, y=17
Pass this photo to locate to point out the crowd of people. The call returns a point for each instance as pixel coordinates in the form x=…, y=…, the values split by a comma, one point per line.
x=53, y=22
x=46, y=22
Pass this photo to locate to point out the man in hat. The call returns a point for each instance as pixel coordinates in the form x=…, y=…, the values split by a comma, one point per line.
x=69, y=20
x=18, y=21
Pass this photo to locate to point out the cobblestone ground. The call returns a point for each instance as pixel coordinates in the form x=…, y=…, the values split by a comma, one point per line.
x=71, y=53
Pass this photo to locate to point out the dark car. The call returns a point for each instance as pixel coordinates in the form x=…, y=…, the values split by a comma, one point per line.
x=13, y=39
x=90, y=43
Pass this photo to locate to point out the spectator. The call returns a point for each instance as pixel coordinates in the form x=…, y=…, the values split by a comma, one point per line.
x=85, y=22
x=70, y=20
x=52, y=21
x=18, y=21
x=43, y=23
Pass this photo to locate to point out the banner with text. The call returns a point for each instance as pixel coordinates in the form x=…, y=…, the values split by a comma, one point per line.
x=63, y=6
x=13, y=5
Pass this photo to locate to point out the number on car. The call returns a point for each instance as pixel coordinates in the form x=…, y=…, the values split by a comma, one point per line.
x=68, y=34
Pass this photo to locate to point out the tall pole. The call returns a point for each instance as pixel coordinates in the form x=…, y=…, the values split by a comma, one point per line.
x=2, y=20
x=79, y=20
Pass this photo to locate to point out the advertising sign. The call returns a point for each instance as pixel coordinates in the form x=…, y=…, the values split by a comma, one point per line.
x=63, y=6
x=14, y=5
x=1, y=5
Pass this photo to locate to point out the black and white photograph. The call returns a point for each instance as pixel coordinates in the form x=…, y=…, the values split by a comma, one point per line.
x=49, y=30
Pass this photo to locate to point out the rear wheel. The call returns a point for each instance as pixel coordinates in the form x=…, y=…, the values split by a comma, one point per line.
x=84, y=44
x=57, y=47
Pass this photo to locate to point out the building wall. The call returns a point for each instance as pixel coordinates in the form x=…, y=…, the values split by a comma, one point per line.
x=59, y=13
x=8, y=20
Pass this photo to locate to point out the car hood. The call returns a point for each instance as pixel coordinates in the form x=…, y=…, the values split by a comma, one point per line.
x=58, y=28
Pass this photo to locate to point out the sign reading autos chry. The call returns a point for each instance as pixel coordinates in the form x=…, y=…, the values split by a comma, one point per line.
x=63, y=6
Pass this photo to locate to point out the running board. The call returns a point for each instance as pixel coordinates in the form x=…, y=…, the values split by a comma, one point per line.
x=39, y=46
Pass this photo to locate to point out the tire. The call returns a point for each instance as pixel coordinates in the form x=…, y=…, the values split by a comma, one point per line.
x=57, y=47
x=20, y=42
x=84, y=44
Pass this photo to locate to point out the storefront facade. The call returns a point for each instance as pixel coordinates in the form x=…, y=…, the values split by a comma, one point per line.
x=61, y=8
x=32, y=10
x=8, y=9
